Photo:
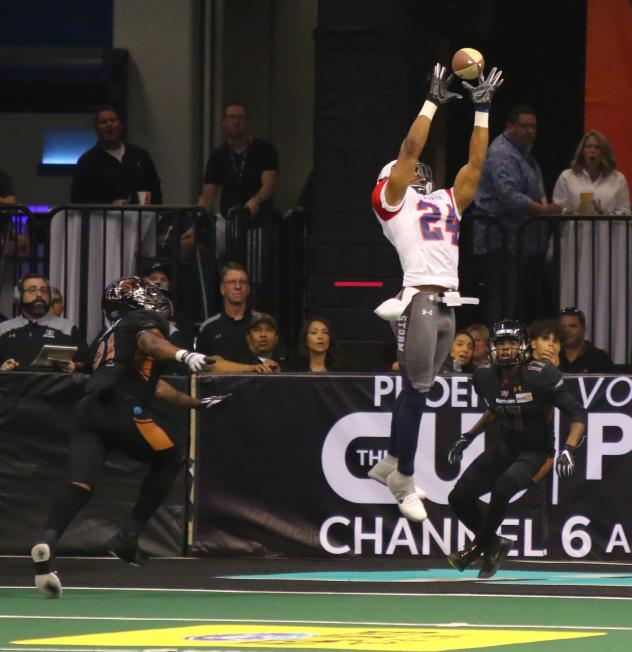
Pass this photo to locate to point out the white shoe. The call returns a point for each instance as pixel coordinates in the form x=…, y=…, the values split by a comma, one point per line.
x=49, y=585
x=409, y=503
x=383, y=469
x=47, y=582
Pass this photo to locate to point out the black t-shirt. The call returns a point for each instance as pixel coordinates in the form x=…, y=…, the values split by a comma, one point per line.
x=6, y=185
x=591, y=361
x=524, y=405
x=120, y=365
x=239, y=175
x=22, y=339
x=99, y=178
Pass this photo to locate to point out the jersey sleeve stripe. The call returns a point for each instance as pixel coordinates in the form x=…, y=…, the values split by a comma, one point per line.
x=381, y=209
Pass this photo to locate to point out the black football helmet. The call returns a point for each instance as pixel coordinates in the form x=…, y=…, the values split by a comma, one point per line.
x=125, y=294
x=508, y=329
x=158, y=298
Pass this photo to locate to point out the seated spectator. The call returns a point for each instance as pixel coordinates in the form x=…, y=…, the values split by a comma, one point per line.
x=593, y=171
x=56, y=303
x=262, y=339
x=317, y=349
x=7, y=193
x=545, y=337
x=578, y=355
x=224, y=334
x=22, y=338
x=114, y=171
x=480, y=335
x=181, y=327
x=460, y=357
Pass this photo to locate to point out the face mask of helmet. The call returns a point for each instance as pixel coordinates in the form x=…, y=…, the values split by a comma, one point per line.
x=156, y=299
x=515, y=332
x=423, y=180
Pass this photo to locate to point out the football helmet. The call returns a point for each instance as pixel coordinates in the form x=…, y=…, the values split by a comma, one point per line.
x=125, y=294
x=157, y=298
x=513, y=330
x=423, y=177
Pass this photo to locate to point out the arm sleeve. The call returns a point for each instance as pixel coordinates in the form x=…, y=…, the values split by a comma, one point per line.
x=506, y=179
x=550, y=382
x=561, y=194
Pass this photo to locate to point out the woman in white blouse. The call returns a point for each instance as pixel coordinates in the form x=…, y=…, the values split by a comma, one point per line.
x=593, y=171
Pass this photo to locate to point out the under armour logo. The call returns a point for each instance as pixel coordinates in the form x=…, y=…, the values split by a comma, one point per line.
x=426, y=312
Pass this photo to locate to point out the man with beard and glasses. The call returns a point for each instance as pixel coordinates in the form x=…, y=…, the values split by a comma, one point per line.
x=22, y=338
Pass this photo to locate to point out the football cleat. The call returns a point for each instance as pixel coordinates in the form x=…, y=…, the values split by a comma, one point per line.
x=409, y=503
x=125, y=546
x=383, y=469
x=463, y=558
x=495, y=557
x=46, y=581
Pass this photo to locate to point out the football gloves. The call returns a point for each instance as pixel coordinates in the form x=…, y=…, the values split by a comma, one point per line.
x=439, y=92
x=565, y=462
x=483, y=93
x=456, y=450
x=210, y=401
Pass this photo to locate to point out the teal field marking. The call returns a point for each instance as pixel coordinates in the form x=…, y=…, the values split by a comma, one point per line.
x=543, y=577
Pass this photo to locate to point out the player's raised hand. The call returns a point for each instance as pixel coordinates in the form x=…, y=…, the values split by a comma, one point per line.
x=484, y=92
x=439, y=92
x=195, y=361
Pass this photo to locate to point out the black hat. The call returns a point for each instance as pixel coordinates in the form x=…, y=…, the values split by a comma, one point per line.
x=258, y=317
x=158, y=267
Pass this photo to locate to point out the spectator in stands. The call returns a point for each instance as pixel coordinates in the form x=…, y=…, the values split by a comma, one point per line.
x=546, y=336
x=114, y=171
x=460, y=357
x=22, y=337
x=317, y=349
x=262, y=339
x=244, y=169
x=480, y=335
x=511, y=191
x=181, y=327
x=224, y=334
x=593, y=171
x=7, y=193
x=578, y=355
x=56, y=307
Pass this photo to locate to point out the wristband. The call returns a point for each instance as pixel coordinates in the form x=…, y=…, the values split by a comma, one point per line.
x=428, y=109
x=481, y=119
x=180, y=354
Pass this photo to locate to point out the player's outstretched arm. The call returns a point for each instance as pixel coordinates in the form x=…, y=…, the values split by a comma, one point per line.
x=415, y=140
x=468, y=177
x=153, y=343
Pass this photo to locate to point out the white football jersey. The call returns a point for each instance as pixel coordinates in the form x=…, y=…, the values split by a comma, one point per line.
x=424, y=229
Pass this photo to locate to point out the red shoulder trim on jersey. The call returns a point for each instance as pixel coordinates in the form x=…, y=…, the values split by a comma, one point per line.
x=451, y=196
x=376, y=203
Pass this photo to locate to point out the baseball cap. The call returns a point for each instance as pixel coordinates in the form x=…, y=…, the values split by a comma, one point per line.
x=158, y=267
x=259, y=317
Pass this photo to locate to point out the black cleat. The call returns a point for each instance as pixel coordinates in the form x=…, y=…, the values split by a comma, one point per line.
x=463, y=558
x=495, y=557
x=125, y=546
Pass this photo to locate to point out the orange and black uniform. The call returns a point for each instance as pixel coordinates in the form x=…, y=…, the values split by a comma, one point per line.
x=523, y=407
x=111, y=416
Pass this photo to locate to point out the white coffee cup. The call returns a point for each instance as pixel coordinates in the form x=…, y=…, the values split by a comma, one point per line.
x=144, y=197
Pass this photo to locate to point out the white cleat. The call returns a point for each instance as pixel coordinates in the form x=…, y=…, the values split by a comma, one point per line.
x=46, y=582
x=49, y=585
x=409, y=503
x=383, y=469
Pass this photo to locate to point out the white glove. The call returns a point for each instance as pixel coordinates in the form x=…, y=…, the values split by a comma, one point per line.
x=195, y=361
x=210, y=401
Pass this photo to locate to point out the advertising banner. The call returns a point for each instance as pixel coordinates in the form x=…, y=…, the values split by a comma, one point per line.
x=281, y=469
x=35, y=422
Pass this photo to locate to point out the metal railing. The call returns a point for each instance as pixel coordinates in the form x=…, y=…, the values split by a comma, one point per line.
x=548, y=263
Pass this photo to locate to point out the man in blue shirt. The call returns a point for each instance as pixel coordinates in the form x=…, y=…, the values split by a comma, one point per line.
x=511, y=191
